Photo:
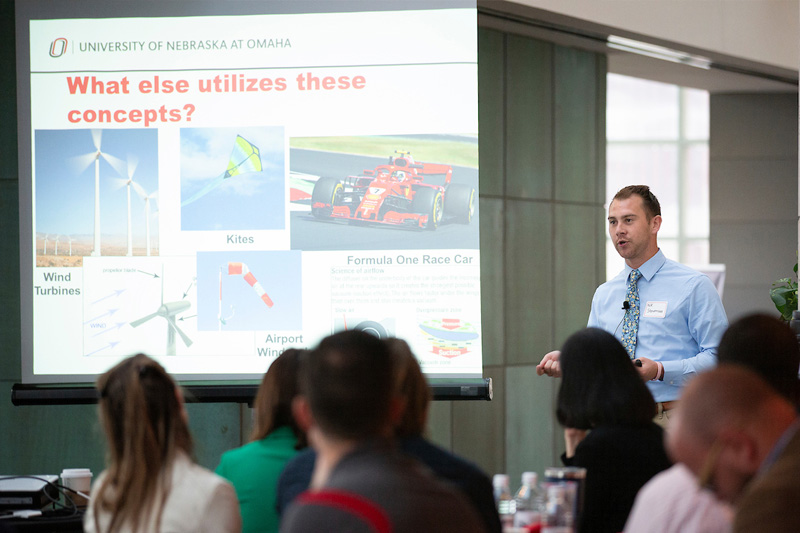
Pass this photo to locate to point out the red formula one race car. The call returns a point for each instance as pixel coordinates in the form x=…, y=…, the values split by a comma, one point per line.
x=396, y=194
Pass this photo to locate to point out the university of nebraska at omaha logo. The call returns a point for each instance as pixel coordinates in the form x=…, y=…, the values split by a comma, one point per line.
x=58, y=47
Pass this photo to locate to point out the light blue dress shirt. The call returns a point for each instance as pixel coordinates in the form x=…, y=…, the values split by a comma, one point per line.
x=682, y=328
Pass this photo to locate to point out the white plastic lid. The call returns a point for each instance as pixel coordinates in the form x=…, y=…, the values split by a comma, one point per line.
x=500, y=480
x=529, y=478
x=76, y=472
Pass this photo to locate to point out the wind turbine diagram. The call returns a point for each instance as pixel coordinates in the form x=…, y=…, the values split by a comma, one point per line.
x=82, y=162
x=168, y=311
x=245, y=157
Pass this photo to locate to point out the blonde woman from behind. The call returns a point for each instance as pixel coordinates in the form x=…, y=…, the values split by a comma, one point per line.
x=150, y=482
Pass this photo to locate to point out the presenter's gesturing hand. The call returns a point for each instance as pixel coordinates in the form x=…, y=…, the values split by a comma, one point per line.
x=549, y=365
x=648, y=370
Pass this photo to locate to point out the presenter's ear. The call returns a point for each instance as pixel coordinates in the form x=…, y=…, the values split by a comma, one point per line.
x=301, y=410
x=655, y=224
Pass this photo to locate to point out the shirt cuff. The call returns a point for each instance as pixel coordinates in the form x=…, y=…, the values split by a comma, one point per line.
x=673, y=372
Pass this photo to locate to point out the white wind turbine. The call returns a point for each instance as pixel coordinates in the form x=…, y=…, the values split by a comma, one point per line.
x=81, y=163
x=146, y=198
x=128, y=183
x=57, y=237
x=46, y=236
x=69, y=237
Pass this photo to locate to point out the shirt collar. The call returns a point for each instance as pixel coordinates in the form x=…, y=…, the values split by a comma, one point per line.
x=650, y=267
x=780, y=445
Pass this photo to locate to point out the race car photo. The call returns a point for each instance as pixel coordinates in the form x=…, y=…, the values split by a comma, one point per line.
x=402, y=192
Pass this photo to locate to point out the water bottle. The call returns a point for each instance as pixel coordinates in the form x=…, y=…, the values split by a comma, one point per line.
x=529, y=501
x=502, y=498
x=558, y=516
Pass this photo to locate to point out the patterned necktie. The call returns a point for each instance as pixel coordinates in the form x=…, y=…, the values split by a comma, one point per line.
x=630, y=323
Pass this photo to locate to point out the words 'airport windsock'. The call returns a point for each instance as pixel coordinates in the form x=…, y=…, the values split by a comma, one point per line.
x=240, y=269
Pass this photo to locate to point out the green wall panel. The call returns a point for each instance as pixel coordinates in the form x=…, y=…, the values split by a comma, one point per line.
x=529, y=280
x=478, y=426
x=529, y=118
x=493, y=317
x=490, y=111
x=575, y=279
x=575, y=104
x=533, y=440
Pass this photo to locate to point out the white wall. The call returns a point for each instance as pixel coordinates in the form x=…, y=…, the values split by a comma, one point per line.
x=765, y=31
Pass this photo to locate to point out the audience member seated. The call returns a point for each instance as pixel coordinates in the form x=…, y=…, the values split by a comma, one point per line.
x=254, y=468
x=360, y=481
x=767, y=346
x=411, y=386
x=672, y=501
x=151, y=483
x=740, y=438
x=607, y=412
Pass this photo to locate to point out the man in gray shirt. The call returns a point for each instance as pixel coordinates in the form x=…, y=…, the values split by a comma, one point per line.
x=361, y=482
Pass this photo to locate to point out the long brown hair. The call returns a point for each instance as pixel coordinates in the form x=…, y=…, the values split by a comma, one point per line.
x=273, y=403
x=146, y=427
x=411, y=385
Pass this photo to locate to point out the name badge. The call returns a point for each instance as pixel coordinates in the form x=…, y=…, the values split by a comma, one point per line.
x=655, y=310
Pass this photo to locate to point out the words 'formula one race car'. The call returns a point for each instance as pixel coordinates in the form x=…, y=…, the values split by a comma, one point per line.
x=395, y=194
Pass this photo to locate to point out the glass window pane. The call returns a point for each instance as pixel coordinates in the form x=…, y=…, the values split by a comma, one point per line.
x=696, y=198
x=639, y=109
x=657, y=135
x=695, y=252
x=671, y=248
x=695, y=114
x=655, y=165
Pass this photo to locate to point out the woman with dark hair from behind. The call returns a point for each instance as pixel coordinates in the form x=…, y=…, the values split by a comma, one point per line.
x=254, y=468
x=607, y=412
x=151, y=483
x=410, y=385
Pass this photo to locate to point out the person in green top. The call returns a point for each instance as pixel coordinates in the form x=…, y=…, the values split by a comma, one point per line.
x=253, y=469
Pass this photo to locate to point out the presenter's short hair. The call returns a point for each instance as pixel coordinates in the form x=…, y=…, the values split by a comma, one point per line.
x=651, y=205
x=347, y=380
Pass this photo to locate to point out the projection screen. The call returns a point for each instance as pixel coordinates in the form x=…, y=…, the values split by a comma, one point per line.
x=211, y=183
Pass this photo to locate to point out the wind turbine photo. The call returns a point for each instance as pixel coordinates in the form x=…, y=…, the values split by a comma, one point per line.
x=81, y=163
x=119, y=157
x=128, y=182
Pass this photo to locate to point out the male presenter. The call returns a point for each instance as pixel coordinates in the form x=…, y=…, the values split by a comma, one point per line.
x=669, y=317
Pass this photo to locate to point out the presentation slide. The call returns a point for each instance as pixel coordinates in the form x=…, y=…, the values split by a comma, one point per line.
x=213, y=189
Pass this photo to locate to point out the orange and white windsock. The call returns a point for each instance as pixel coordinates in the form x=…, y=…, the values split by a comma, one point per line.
x=240, y=269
